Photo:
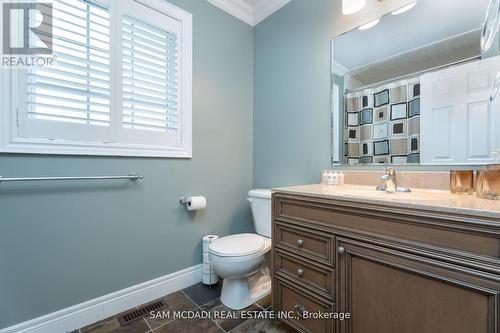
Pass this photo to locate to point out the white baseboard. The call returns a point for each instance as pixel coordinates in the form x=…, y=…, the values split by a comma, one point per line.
x=89, y=312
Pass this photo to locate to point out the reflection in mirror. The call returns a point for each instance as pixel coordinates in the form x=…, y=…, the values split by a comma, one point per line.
x=415, y=88
x=489, y=32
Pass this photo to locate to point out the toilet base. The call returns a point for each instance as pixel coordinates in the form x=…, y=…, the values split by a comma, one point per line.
x=242, y=292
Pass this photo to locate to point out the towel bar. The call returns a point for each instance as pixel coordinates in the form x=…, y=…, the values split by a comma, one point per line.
x=132, y=176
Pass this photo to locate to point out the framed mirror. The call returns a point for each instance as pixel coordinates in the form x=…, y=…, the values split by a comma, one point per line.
x=415, y=87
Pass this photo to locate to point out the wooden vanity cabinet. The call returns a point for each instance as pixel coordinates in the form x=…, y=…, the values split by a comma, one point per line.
x=392, y=269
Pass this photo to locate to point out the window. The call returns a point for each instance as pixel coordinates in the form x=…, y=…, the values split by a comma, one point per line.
x=70, y=100
x=120, y=84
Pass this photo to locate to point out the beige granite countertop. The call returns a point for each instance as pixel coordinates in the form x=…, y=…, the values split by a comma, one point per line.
x=419, y=198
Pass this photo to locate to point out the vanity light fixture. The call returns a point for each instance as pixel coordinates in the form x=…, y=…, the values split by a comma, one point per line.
x=491, y=25
x=352, y=6
x=404, y=9
x=369, y=24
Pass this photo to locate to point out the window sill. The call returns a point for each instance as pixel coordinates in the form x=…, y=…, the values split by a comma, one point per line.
x=96, y=150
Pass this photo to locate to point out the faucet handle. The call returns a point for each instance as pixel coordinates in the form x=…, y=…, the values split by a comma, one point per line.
x=389, y=171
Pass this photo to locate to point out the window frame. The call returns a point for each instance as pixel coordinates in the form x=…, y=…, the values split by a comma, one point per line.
x=12, y=142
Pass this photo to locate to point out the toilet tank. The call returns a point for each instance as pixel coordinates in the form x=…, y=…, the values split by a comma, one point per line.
x=260, y=201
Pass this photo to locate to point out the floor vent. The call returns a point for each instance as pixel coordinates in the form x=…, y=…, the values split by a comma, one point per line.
x=139, y=313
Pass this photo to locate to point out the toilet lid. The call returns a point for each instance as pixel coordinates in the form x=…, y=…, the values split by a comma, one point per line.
x=260, y=193
x=237, y=245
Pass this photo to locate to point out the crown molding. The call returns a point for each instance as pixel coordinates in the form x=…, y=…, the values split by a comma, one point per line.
x=339, y=69
x=237, y=8
x=264, y=9
x=251, y=15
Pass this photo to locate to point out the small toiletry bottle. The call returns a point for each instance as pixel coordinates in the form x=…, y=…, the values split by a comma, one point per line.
x=341, y=179
x=335, y=178
x=329, y=178
x=324, y=177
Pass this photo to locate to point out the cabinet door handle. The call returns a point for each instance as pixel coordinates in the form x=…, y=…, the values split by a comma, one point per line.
x=300, y=242
x=341, y=250
x=300, y=272
x=300, y=309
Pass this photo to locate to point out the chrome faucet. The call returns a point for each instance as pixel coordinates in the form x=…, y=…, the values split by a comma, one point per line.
x=389, y=178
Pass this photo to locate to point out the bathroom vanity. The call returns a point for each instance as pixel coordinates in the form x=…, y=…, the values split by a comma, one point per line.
x=426, y=261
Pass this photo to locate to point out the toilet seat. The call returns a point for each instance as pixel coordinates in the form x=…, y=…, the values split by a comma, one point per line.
x=238, y=245
x=240, y=260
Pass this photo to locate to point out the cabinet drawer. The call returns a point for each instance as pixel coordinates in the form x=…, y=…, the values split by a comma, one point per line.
x=298, y=302
x=429, y=227
x=305, y=241
x=319, y=279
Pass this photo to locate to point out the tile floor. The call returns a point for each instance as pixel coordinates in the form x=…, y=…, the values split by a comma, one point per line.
x=195, y=298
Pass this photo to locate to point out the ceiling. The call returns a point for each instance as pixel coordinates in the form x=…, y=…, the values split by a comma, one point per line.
x=250, y=11
x=428, y=22
x=441, y=53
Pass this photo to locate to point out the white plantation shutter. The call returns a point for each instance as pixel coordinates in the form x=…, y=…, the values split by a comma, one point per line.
x=150, y=76
x=121, y=82
x=71, y=99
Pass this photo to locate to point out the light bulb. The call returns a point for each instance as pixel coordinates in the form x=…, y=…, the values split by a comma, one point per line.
x=352, y=6
x=369, y=24
x=404, y=9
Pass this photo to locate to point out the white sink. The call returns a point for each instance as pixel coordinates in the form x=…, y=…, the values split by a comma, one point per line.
x=380, y=194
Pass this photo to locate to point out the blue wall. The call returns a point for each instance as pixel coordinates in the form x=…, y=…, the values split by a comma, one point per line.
x=64, y=243
x=292, y=94
x=291, y=124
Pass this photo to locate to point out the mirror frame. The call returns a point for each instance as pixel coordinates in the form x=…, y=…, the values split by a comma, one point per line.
x=489, y=33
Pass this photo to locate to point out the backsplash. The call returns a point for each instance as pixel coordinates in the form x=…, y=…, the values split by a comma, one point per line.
x=411, y=179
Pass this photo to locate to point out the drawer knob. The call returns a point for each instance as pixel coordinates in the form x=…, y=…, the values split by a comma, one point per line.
x=300, y=309
x=341, y=250
x=300, y=272
x=300, y=242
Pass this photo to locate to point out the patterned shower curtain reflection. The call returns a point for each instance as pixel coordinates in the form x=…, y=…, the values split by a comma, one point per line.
x=382, y=124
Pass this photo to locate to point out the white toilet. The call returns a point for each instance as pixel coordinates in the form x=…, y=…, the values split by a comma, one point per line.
x=240, y=260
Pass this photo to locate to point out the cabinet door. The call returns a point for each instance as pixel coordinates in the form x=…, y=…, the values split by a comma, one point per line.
x=385, y=290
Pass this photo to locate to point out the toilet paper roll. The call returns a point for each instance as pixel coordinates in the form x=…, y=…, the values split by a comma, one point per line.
x=207, y=269
x=209, y=279
x=206, y=258
x=196, y=203
x=208, y=275
x=206, y=240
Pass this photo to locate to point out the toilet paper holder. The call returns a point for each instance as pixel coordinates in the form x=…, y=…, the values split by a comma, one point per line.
x=194, y=203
